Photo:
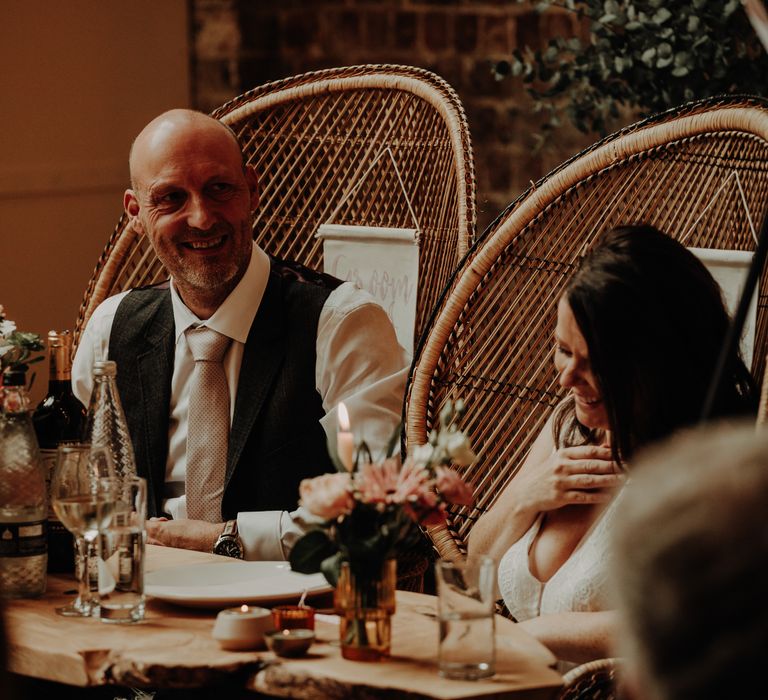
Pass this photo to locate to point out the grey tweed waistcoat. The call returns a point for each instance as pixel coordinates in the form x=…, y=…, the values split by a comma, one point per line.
x=275, y=438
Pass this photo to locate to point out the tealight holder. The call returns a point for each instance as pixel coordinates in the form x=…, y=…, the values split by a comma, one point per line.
x=242, y=628
x=289, y=642
x=291, y=617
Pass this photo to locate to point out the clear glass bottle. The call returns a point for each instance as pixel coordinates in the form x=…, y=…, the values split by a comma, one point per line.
x=105, y=424
x=58, y=420
x=23, y=506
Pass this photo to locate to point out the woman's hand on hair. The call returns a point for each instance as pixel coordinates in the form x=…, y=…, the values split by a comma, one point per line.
x=569, y=476
x=549, y=479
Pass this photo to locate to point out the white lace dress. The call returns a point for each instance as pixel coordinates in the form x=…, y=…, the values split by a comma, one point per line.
x=579, y=585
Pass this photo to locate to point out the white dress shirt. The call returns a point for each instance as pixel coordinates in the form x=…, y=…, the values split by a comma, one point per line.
x=359, y=361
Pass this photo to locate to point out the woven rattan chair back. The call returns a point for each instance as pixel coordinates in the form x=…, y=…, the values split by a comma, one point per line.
x=311, y=138
x=700, y=173
x=594, y=680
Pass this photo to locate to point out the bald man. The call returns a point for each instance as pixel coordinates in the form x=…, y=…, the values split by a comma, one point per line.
x=301, y=342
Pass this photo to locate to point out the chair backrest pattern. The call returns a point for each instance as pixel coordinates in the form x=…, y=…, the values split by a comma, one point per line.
x=311, y=138
x=690, y=172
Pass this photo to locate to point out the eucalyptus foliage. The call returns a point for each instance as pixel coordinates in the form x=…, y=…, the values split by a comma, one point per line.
x=645, y=55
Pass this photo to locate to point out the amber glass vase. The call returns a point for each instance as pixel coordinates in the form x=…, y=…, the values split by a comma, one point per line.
x=365, y=604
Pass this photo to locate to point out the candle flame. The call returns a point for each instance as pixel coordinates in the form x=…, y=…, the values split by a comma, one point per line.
x=244, y=608
x=343, y=417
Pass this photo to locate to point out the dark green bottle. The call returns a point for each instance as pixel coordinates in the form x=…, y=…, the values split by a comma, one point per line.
x=58, y=420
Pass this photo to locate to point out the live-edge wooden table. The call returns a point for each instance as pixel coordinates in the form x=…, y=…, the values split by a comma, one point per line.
x=174, y=648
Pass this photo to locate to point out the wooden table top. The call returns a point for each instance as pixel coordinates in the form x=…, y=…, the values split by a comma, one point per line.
x=174, y=648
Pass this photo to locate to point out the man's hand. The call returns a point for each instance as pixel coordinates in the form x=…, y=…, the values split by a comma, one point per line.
x=571, y=475
x=184, y=534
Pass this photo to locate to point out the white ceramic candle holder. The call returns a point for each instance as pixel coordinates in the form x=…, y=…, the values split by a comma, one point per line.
x=242, y=628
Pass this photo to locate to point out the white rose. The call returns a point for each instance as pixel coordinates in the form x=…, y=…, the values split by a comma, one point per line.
x=422, y=454
x=458, y=448
x=7, y=327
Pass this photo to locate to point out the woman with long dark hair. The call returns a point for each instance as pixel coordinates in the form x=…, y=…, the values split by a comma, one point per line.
x=639, y=331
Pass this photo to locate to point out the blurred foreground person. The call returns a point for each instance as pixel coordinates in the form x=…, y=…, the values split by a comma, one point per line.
x=691, y=568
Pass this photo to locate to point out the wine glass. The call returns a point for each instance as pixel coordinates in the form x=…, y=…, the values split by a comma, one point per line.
x=83, y=501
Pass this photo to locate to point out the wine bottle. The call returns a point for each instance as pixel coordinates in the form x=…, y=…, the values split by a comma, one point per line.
x=58, y=420
x=23, y=543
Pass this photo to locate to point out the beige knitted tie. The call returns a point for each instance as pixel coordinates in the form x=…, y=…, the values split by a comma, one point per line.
x=207, y=425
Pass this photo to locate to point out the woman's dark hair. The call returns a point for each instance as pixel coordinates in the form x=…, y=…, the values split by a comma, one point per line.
x=654, y=320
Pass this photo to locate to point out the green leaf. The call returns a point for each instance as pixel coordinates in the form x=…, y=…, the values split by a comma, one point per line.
x=394, y=440
x=648, y=56
x=331, y=567
x=310, y=551
x=730, y=7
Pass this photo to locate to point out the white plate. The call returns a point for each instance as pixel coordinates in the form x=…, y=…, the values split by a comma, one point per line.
x=233, y=583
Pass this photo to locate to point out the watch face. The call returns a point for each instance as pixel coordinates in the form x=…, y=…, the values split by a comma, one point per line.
x=229, y=547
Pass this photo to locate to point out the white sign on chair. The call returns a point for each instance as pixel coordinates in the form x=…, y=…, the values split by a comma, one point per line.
x=382, y=261
x=729, y=268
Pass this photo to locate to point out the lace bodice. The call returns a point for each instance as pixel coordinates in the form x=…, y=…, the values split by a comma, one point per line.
x=579, y=585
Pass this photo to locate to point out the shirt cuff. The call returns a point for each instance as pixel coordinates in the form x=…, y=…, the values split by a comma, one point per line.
x=270, y=535
x=260, y=534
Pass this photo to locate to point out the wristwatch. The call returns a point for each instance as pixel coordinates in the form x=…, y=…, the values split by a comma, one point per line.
x=229, y=543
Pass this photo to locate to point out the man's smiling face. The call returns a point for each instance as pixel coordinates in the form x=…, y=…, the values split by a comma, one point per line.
x=193, y=199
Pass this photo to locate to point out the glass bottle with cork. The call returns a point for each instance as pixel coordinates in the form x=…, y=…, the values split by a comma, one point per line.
x=23, y=496
x=58, y=420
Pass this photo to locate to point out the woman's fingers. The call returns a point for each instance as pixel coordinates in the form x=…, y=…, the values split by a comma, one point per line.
x=595, y=481
x=586, y=497
x=587, y=452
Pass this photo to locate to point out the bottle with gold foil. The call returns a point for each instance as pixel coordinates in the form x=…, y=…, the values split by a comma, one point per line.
x=58, y=420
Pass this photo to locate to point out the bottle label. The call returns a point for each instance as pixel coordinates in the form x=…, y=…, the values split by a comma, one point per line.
x=48, y=461
x=23, y=539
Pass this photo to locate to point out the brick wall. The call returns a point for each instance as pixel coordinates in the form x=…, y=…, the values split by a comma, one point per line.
x=239, y=44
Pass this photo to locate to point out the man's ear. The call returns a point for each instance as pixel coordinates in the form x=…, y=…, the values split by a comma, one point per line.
x=131, y=206
x=253, y=186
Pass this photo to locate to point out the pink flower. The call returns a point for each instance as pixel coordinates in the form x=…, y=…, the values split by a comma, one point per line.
x=413, y=483
x=328, y=496
x=452, y=487
x=429, y=517
x=376, y=483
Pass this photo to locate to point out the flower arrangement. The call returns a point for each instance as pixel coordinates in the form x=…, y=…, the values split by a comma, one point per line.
x=16, y=347
x=372, y=512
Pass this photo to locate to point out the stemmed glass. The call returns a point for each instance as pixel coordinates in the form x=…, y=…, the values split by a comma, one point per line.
x=84, y=502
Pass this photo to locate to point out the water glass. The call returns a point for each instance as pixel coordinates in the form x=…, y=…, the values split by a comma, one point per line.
x=465, y=611
x=84, y=505
x=121, y=577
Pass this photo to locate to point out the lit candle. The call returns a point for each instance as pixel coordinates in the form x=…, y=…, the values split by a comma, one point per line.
x=286, y=617
x=242, y=628
x=290, y=642
x=345, y=444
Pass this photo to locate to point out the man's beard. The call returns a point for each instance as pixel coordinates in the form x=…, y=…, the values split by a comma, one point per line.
x=205, y=275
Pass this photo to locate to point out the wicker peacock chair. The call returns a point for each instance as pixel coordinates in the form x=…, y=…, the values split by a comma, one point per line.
x=699, y=173
x=594, y=680
x=312, y=138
